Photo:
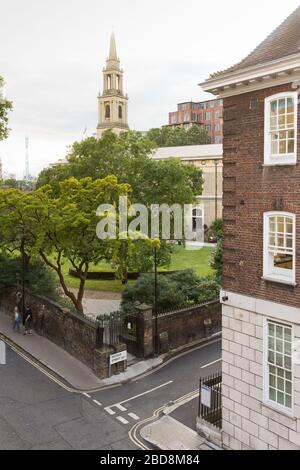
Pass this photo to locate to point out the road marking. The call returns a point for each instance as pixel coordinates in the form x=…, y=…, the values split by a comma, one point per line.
x=134, y=416
x=142, y=394
x=87, y=395
x=211, y=363
x=122, y=420
x=120, y=407
x=97, y=402
x=109, y=411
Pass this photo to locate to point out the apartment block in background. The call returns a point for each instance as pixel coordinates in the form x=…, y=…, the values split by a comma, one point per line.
x=261, y=246
x=207, y=114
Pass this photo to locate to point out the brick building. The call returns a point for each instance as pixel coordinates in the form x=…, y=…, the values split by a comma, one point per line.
x=261, y=274
x=207, y=114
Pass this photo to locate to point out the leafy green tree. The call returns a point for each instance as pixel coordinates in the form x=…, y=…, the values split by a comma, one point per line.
x=61, y=228
x=5, y=107
x=128, y=157
x=197, y=135
x=178, y=136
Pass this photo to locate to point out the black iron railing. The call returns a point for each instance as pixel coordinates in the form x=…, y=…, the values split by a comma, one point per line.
x=210, y=400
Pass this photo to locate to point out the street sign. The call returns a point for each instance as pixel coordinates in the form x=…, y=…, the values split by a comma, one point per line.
x=2, y=353
x=118, y=357
x=206, y=396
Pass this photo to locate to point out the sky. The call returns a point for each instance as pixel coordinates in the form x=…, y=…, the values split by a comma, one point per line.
x=52, y=53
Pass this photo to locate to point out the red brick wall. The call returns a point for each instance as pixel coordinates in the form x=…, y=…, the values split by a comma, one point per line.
x=250, y=189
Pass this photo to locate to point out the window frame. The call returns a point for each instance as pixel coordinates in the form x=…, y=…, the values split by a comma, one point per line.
x=266, y=373
x=279, y=275
x=281, y=159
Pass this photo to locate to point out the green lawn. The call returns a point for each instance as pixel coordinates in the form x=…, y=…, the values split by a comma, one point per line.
x=181, y=259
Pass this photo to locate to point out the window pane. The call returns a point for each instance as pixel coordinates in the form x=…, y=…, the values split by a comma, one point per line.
x=288, y=334
x=272, y=394
x=280, y=385
x=290, y=105
x=274, y=108
x=281, y=122
x=279, y=346
x=279, y=331
x=288, y=401
x=291, y=146
x=272, y=381
x=282, y=147
x=274, y=148
x=290, y=120
x=271, y=330
x=288, y=388
x=281, y=106
x=287, y=362
x=280, y=398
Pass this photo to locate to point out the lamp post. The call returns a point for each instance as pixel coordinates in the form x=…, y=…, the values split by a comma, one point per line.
x=23, y=273
x=156, y=342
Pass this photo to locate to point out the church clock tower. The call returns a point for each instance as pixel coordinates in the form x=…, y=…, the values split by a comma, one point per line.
x=113, y=104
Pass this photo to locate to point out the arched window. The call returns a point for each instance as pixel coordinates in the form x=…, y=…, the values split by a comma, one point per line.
x=120, y=112
x=107, y=111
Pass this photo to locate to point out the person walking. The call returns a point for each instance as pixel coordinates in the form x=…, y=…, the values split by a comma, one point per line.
x=28, y=321
x=17, y=320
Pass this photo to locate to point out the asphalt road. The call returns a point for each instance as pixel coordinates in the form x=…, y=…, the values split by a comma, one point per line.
x=36, y=413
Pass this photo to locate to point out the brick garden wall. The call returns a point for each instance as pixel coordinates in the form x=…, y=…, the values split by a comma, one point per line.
x=188, y=325
x=75, y=334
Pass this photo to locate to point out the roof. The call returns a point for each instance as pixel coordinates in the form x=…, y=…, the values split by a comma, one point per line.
x=187, y=152
x=284, y=41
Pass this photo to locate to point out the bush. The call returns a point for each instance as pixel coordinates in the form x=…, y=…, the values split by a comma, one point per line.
x=38, y=278
x=174, y=291
x=217, y=259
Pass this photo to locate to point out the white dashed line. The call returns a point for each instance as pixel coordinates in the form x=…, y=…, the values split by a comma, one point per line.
x=134, y=416
x=121, y=408
x=211, y=363
x=86, y=395
x=109, y=411
x=122, y=420
x=97, y=402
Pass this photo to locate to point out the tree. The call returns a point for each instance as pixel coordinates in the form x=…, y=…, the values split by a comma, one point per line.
x=128, y=157
x=197, y=135
x=178, y=136
x=5, y=107
x=59, y=228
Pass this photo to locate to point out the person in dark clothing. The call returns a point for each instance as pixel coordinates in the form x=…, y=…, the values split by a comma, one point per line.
x=28, y=321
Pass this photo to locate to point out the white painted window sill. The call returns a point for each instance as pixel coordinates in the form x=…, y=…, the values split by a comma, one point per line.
x=281, y=411
x=279, y=281
x=280, y=164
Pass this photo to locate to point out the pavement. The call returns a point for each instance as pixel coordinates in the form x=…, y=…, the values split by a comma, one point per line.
x=169, y=434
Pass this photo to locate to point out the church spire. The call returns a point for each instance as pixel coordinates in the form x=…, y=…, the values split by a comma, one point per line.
x=113, y=48
x=113, y=103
